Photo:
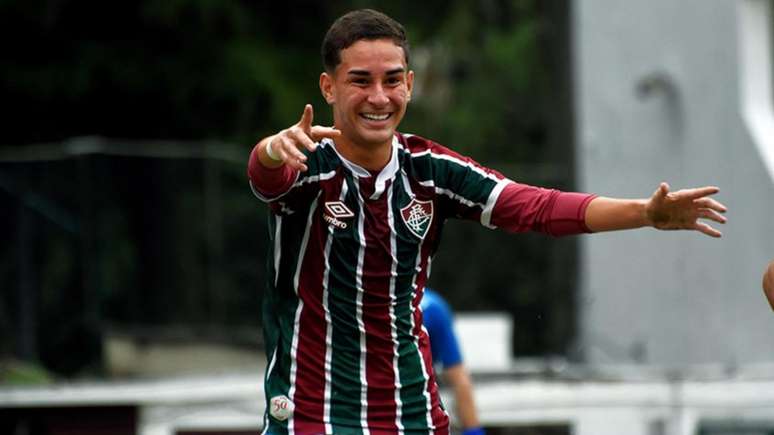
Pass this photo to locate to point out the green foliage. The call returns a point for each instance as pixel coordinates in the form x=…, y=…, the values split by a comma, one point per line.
x=153, y=248
x=17, y=373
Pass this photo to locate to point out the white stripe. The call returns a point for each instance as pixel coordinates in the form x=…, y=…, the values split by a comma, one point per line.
x=417, y=268
x=328, y=322
x=388, y=172
x=360, y=323
x=406, y=184
x=266, y=379
x=314, y=179
x=486, y=215
x=457, y=161
x=393, y=302
x=458, y=198
x=293, y=362
x=271, y=362
x=429, y=266
x=277, y=247
x=462, y=200
x=296, y=325
x=307, y=180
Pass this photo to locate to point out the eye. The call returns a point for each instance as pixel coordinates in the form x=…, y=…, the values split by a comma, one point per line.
x=360, y=81
x=394, y=81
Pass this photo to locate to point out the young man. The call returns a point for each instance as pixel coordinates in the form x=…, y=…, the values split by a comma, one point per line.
x=439, y=322
x=357, y=212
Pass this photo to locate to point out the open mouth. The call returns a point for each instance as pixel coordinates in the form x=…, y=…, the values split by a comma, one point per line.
x=376, y=116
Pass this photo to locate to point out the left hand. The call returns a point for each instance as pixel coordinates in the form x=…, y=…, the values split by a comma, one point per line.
x=681, y=210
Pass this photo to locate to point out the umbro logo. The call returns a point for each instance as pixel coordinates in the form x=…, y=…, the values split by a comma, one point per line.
x=335, y=211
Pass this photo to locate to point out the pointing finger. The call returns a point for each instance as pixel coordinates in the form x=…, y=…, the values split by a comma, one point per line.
x=306, y=118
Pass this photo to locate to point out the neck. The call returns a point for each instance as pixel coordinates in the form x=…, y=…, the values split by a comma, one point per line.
x=371, y=157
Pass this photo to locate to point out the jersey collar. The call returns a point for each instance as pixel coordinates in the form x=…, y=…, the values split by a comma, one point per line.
x=387, y=173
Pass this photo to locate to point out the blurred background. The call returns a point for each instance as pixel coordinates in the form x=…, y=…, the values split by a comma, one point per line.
x=124, y=182
x=134, y=250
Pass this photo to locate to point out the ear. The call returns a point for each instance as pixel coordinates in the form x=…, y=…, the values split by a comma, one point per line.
x=409, y=84
x=326, y=87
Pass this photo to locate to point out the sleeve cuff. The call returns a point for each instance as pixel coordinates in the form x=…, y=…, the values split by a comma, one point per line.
x=569, y=214
x=269, y=182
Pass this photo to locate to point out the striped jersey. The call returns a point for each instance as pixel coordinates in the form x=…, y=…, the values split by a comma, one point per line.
x=350, y=256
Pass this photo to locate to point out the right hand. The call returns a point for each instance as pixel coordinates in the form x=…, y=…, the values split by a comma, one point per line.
x=287, y=144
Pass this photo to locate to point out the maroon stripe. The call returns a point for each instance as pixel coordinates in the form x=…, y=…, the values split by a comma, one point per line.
x=439, y=417
x=417, y=144
x=309, y=396
x=377, y=266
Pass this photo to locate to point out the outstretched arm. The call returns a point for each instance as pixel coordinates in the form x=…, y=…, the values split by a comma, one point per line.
x=664, y=210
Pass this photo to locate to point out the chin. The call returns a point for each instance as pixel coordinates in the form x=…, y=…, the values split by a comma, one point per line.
x=377, y=138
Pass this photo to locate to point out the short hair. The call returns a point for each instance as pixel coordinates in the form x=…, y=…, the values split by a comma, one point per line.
x=358, y=25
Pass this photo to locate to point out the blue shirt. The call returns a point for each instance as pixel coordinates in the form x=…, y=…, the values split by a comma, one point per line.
x=438, y=320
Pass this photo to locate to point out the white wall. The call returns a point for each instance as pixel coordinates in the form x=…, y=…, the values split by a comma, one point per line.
x=590, y=407
x=663, y=297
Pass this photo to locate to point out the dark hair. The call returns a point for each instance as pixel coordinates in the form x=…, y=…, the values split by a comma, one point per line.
x=356, y=25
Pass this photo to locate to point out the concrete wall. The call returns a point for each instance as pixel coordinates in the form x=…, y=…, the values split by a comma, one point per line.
x=660, y=94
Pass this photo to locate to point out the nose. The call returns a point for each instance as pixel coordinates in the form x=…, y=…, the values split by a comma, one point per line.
x=378, y=96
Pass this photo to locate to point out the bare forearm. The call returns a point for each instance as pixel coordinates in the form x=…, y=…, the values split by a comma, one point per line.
x=466, y=407
x=462, y=385
x=610, y=214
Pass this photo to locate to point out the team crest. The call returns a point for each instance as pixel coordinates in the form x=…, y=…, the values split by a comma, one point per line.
x=418, y=215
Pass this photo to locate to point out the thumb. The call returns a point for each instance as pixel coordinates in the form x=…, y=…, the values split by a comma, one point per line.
x=663, y=190
x=306, y=119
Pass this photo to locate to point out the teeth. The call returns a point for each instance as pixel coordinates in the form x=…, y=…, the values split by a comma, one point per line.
x=376, y=116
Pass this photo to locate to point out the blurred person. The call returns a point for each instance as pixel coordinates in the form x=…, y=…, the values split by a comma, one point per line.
x=356, y=212
x=768, y=283
x=438, y=320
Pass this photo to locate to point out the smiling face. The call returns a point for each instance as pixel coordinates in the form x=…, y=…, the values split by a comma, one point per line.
x=368, y=91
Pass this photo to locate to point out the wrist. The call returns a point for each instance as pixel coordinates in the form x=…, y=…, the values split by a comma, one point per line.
x=271, y=153
x=644, y=212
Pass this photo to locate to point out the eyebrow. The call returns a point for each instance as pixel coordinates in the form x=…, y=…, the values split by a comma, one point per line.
x=362, y=72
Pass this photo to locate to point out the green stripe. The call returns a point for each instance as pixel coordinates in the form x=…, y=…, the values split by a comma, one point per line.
x=456, y=177
x=412, y=379
x=342, y=294
x=321, y=161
